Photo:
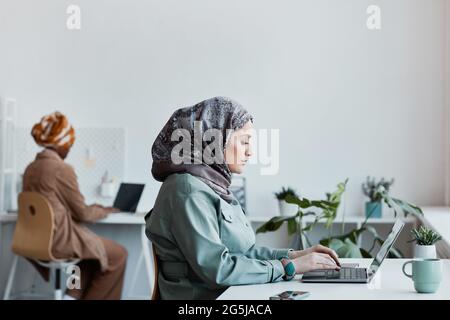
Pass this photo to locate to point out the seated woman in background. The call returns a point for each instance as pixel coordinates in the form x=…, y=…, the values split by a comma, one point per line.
x=103, y=260
x=203, y=240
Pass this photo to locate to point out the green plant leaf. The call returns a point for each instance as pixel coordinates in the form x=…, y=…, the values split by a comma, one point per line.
x=405, y=207
x=323, y=204
x=336, y=196
x=308, y=227
x=325, y=242
x=281, y=195
x=274, y=224
x=302, y=203
x=425, y=236
x=330, y=207
x=352, y=235
x=372, y=231
x=365, y=254
x=345, y=249
x=292, y=226
x=395, y=253
x=309, y=213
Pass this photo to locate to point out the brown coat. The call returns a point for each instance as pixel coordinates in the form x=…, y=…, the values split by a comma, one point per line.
x=56, y=180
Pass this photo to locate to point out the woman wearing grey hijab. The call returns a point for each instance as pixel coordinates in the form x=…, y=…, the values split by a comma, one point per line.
x=203, y=240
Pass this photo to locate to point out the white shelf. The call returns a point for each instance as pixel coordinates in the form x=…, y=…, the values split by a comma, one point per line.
x=8, y=114
x=338, y=220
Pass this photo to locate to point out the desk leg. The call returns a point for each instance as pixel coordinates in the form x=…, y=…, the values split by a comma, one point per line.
x=147, y=257
x=12, y=274
x=135, y=275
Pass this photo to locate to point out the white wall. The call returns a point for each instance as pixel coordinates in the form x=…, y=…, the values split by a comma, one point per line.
x=349, y=101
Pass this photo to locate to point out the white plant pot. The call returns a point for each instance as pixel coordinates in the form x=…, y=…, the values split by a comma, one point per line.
x=287, y=209
x=425, y=252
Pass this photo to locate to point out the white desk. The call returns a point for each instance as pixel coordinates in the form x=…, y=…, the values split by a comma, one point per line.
x=121, y=218
x=388, y=284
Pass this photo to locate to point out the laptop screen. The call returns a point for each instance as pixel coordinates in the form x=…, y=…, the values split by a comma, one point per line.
x=128, y=197
x=388, y=243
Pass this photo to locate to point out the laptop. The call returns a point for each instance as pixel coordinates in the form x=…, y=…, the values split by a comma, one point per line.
x=357, y=275
x=128, y=196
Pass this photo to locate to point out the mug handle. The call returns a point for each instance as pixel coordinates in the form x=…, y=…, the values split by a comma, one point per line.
x=403, y=269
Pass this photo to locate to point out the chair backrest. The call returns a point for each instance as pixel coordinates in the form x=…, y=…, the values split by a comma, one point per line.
x=33, y=235
x=155, y=291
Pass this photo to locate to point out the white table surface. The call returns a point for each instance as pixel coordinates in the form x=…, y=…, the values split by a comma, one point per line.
x=8, y=217
x=389, y=283
x=124, y=218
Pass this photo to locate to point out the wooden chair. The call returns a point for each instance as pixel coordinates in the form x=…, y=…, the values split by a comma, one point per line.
x=33, y=238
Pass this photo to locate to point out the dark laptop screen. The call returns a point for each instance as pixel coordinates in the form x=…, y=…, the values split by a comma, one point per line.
x=128, y=197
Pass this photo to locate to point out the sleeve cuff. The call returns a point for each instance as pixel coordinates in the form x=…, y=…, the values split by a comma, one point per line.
x=276, y=272
x=279, y=253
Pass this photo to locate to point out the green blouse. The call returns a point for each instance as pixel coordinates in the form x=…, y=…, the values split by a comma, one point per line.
x=205, y=244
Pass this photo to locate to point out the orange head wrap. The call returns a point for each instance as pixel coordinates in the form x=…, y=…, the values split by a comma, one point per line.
x=54, y=131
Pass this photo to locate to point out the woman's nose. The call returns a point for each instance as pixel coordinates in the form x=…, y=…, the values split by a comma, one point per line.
x=249, y=152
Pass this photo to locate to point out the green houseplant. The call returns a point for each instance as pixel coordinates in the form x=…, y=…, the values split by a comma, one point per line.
x=327, y=210
x=373, y=189
x=345, y=244
x=286, y=209
x=425, y=239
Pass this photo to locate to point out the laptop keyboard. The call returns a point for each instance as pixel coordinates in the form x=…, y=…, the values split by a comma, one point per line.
x=347, y=273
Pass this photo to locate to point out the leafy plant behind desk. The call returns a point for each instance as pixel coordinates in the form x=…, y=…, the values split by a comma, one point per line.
x=345, y=244
x=374, y=189
x=328, y=210
x=425, y=237
x=285, y=192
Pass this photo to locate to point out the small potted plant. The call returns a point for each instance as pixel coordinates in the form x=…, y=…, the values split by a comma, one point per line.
x=425, y=239
x=374, y=189
x=286, y=209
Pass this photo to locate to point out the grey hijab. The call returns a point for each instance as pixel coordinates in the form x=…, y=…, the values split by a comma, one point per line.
x=219, y=113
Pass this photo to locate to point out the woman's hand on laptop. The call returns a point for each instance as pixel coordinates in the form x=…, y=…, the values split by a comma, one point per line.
x=313, y=261
x=107, y=210
x=319, y=249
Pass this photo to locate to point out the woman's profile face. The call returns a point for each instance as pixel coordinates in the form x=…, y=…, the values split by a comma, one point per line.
x=238, y=149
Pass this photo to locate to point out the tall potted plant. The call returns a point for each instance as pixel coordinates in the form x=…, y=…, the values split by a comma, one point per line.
x=286, y=209
x=425, y=239
x=374, y=190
